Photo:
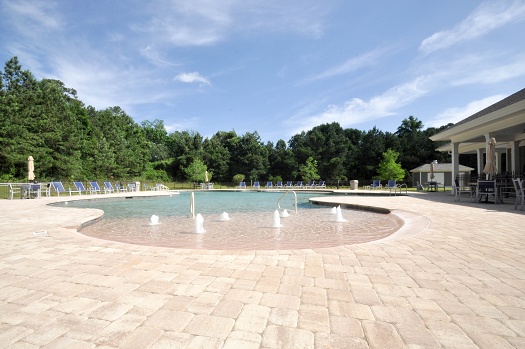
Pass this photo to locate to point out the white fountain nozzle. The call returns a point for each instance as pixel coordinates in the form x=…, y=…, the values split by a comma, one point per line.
x=154, y=220
x=276, y=219
x=339, y=215
x=225, y=217
x=199, y=224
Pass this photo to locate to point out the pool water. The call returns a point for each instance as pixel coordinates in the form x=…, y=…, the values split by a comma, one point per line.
x=251, y=224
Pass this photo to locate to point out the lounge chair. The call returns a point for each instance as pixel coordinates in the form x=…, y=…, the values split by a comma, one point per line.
x=310, y=184
x=376, y=184
x=132, y=187
x=289, y=184
x=108, y=188
x=520, y=193
x=160, y=186
x=321, y=184
x=58, y=187
x=94, y=188
x=148, y=187
x=458, y=190
x=269, y=185
x=79, y=188
x=121, y=188
x=242, y=185
x=279, y=185
x=256, y=185
x=299, y=184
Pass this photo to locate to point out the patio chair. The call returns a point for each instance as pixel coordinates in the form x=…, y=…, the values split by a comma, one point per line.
x=94, y=188
x=299, y=184
x=321, y=184
x=58, y=187
x=242, y=185
x=458, y=190
x=132, y=187
x=79, y=189
x=376, y=184
x=279, y=185
x=13, y=190
x=161, y=186
x=310, y=184
x=108, y=188
x=149, y=187
x=486, y=188
x=256, y=185
x=269, y=185
x=288, y=184
x=520, y=193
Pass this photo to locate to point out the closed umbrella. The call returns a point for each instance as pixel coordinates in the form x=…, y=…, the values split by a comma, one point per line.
x=30, y=169
x=432, y=176
x=490, y=165
x=206, y=177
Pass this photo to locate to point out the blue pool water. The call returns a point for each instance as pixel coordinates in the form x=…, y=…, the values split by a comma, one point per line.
x=205, y=203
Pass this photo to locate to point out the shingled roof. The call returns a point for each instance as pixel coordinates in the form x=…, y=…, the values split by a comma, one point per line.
x=514, y=98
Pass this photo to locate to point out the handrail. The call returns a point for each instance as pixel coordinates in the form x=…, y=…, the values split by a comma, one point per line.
x=192, y=205
x=295, y=200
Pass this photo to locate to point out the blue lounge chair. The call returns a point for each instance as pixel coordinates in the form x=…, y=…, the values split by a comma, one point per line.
x=289, y=184
x=94, y=188
x=58, y=187
x=391, y=184
x=120, y=187
x=376, y=184
x=108, y=188
x=279, y=184
x=299, y=184
x=321, y=184
x=269, y=185
x=310, y=184
x=242, y=185
x=132, y=187
x=79, y=188
x=256, y=185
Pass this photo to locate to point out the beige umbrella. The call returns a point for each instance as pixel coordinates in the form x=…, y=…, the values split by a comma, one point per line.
x=432, y=176
x=30, y=168
x=490, y=165
x=206, y=177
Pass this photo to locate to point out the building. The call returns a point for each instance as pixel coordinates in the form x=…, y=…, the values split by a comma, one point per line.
x=504, y=121
x=442, y=173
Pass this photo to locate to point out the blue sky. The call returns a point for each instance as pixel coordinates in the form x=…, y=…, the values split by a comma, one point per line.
x=272, y=66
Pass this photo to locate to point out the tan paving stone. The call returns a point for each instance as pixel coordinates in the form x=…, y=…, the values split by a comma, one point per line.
x=382, y=335
x=11, y=334
x=239, y=339
x=283, y=317
x=314, y=318
x=141, y=337
x=66, y=343
x=210, y=326
x=335, y=341
x=253, y=318
x=204, y=303
x=280, y=301
x=172, y=340
x=277, y=337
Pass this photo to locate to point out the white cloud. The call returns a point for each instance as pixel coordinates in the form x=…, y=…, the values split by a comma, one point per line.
x=352, y=64
x=487, y=17
x=356, y=110
x=192, y=78
x=28, y=16
x=494, y=74
x=456, y=114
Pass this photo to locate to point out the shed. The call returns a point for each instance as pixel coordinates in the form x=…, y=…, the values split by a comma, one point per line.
x=442, y=173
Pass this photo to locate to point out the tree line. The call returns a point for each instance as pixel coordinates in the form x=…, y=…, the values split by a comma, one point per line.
x=72, y=141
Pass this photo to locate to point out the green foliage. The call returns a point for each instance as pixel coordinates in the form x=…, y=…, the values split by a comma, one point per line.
x=308, y=171
x=390, y=169
x=238, y=178
x=196, y=171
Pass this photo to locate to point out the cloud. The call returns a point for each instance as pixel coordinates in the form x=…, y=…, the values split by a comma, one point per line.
x=27, y=16
x=485, y=18
x=352, y=64
x=357, y=110
x=456, y=114
x=494, y=74
x=191, y=78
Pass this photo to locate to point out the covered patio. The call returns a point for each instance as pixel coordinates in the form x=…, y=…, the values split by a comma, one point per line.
x=504, y=121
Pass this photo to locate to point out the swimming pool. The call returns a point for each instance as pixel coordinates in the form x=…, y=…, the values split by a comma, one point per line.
x=251, y=224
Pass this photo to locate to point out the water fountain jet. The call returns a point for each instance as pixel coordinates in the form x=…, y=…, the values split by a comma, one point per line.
x=199, y=224
x=276, y=220
x=224, y=216
x=285, y=213
x=154, y=220
x=339, y=215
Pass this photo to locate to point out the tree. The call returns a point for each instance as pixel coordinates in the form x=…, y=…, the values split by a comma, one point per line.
x=308, y=171
x=390, y=169
x=196, y=171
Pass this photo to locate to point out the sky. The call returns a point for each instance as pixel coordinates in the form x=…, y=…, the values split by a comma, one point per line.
x=272, y=66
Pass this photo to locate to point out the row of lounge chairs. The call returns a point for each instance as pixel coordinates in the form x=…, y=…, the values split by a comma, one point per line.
x=288, y=185
x=36, y=190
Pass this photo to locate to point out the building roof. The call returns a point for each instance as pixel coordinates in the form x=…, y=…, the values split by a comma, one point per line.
x=441, y=167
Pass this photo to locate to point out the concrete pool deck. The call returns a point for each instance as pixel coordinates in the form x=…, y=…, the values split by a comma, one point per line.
x=459, y=283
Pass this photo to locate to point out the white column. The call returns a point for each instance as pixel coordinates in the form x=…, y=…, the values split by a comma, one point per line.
x=514, y=156
x=480, y=152
x=455, y=164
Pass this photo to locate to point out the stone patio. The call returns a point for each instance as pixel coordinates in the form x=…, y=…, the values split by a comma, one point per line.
x=458, y=283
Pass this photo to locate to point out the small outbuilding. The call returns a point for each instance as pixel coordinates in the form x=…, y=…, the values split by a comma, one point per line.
x=442, y=174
